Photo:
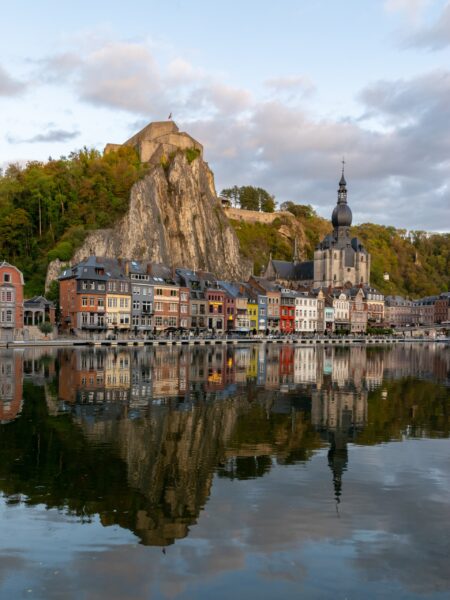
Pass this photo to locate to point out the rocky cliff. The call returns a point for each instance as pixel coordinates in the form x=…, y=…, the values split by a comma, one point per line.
x=174, y=218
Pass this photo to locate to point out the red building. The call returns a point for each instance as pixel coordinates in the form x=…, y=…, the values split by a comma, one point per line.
x=11, y=301
x=287, y=311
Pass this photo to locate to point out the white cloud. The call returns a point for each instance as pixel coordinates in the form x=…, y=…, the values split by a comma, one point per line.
x=274, y=141
x=412, y=9
x=8, y=85
x=435, y=36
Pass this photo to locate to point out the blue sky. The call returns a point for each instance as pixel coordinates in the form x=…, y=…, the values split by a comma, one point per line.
x=276, y=92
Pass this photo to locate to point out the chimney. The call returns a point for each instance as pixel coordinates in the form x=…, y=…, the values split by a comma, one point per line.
x=149, y=268
x=127, y=268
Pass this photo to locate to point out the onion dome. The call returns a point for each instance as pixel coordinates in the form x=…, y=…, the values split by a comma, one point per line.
x=342, y=215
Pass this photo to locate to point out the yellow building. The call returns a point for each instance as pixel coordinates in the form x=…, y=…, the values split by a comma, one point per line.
x=252, y=313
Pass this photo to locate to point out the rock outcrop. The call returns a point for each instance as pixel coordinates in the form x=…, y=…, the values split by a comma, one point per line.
x=174, y=218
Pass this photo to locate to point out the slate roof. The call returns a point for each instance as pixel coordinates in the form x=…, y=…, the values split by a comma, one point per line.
x=291, y=271
x=38, y=301
x=86, y=269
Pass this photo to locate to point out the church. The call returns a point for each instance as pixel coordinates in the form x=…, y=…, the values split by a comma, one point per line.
x=339, y=260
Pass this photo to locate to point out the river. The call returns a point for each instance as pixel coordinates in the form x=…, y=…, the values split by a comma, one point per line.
x=257, y=472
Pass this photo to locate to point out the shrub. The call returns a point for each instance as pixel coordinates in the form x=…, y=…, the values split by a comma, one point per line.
x=46, y=327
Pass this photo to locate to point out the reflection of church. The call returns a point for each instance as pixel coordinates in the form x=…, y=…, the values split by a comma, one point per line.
x=338, y=415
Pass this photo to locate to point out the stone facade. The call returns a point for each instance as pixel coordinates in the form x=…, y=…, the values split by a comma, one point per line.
x=339, y=260
x=157, y=141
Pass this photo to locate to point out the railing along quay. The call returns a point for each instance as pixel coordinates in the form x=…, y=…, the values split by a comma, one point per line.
x=299, y=341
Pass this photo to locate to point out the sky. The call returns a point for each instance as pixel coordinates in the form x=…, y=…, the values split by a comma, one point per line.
x=277, y=93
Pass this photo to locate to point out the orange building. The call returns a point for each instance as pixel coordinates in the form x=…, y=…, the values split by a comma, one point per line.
x=82, y=296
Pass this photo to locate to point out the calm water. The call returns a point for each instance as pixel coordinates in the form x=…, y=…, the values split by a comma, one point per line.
x=256, y=473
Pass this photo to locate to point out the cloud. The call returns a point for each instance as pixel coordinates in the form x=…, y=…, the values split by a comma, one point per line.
x=52, y=135
x=293, y=84
x=435, y=36
x=396, y=150
x=10, y=86
x=411, y=8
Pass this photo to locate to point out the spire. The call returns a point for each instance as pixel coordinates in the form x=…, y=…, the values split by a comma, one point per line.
x=337, y=461
x=342, y=191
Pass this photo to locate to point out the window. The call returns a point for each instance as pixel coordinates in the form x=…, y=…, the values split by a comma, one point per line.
x=184, y=297
x=174, y=293
x=173, y=307
x=184, y=308
x=146, y=306
x=159, y=292
x=6, y=277
x=136, y=305
x=101, y=302
x=9, y=316
x=91, y=301
x=101, y=287
x=84, y=301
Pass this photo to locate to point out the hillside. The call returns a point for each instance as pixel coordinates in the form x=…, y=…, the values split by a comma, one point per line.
x=59, y=209
x=418, y=263
x=47, y=209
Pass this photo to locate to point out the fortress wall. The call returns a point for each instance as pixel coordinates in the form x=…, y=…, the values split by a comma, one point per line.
x=254, y=216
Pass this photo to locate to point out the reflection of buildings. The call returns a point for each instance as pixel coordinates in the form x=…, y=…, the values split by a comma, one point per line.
x=11, y=371
x=151, y=427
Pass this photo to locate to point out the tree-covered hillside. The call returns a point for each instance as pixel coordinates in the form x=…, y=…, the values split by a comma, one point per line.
x=418, y=263
x=47, y=208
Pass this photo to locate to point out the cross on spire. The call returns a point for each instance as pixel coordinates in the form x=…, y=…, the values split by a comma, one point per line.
x=343, y=164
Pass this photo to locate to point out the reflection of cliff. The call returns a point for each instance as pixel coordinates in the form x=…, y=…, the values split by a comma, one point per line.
x=146, y=460
x=170, y=458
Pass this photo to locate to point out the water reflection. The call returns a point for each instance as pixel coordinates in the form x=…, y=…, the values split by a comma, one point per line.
x=136, y=436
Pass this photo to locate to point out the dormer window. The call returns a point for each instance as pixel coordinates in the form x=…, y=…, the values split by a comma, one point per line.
x=6, y=277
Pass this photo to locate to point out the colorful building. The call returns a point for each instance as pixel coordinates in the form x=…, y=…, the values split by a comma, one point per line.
x=11, y=302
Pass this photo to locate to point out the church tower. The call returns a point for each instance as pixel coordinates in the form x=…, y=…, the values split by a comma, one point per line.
x=339, y=260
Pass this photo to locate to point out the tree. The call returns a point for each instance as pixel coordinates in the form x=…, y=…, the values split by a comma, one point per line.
x=46, y=327
x=249, y=197
x=266, y=201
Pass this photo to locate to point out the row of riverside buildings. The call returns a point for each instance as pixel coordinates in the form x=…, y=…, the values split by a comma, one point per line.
x=330, y=293
x=101, y=295
x=112, y=295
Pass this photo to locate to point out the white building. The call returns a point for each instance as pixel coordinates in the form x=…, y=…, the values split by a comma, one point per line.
x=305, y=313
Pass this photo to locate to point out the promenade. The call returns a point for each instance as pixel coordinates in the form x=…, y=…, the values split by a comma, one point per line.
x=211, y=341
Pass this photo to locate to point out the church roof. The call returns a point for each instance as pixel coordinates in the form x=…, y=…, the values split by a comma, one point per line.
x=294, y=271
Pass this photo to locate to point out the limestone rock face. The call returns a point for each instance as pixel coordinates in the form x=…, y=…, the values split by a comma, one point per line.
x=174, y=218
